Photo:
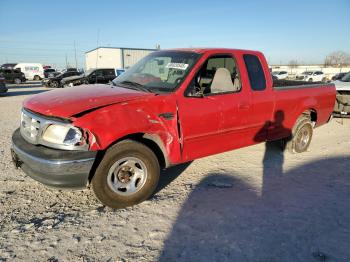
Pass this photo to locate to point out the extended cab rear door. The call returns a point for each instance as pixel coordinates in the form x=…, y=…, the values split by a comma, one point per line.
x=257, y=76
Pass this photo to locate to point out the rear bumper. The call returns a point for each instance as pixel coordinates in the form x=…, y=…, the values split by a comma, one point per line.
x=52, y=167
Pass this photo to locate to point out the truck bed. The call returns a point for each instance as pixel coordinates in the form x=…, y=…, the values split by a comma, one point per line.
x=292, y=84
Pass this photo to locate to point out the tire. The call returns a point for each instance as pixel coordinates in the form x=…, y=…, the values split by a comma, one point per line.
x=17, y=81
x=310, y=80
x=36, y=78
x=54, y=84
x=126, y=187
x=301, y=135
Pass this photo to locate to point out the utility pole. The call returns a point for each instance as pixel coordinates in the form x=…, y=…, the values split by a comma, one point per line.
x=97, y=43
x=75, y=53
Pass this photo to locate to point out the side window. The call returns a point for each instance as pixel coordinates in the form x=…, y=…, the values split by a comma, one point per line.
x=255, y=72
x=218, y=74
x=109, y=72
x=96, y=73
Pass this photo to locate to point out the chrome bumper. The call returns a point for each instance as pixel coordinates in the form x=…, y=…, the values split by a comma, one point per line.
x=52, y=167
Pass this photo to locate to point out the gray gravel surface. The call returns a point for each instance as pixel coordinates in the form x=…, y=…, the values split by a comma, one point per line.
x=251, y=204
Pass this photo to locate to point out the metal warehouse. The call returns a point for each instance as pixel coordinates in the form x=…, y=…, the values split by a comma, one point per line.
x=114, y=57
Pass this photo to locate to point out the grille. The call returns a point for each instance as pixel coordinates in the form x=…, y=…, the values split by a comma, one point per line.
x=30, y=127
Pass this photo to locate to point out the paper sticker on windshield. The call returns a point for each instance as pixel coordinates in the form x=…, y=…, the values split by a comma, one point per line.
x=180, y=66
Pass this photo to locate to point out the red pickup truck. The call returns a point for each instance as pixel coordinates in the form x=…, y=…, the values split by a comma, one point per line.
x=173, y=106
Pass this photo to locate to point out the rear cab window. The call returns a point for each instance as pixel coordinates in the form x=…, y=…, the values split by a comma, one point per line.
x=255, y=72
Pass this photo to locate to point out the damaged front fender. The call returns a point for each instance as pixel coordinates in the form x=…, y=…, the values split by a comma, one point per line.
x=154, y=117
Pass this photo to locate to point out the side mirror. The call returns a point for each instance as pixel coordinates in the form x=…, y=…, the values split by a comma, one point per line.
x=159, y=62
x=194, y=91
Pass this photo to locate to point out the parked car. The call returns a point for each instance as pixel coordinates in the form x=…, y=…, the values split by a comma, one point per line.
x=56, y=81
x=92, y=76
x=3, y=88
x=50, y=72
x=312, y=76
x=32, y=71
x=342, y=105
x=8, y=66
x=13, y=76
x=343, y=85
x=171, y=107
x=280, y=74
x=338, y=76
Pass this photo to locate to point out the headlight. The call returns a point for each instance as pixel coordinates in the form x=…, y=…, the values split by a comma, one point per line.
x=63, y=135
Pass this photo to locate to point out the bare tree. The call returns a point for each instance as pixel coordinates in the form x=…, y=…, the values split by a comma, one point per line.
x=293, y=63
x=337, y=59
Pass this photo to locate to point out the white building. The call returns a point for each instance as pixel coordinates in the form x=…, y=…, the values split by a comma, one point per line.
x=114, y=57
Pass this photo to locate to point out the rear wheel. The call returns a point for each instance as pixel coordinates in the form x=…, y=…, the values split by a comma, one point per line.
x=36, y=78
x=127, y=175
x=311, y=80
x=17, y=81
x=301, y=135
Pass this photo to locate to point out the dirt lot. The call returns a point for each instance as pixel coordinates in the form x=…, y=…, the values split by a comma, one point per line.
x=252, y=204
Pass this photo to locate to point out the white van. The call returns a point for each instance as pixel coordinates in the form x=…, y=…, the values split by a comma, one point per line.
x=32, y=71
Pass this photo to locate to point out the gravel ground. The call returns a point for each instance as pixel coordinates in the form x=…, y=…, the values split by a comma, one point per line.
x=252, y=204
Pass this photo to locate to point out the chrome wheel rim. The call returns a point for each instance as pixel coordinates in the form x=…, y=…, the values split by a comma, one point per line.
x=127, y=176
x=303, y=138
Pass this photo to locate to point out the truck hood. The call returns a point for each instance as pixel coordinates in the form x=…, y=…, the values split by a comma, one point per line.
x=74, y=100
x=341, y=85
x=70, y=78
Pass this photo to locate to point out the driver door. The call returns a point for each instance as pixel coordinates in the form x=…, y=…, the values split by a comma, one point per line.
x=210, y=111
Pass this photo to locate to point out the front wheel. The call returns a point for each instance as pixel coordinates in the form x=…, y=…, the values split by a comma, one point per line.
x=127, y=175
x=54, y=84
x=301, y=135
x=36, y=78
x=17, y=81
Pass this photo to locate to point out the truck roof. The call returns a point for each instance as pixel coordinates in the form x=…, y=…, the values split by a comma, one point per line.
x=201, y=50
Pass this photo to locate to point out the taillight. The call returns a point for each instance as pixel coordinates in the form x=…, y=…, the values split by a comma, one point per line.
x=2, y=80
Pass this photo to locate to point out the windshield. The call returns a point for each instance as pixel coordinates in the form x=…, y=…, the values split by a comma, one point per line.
x=307, y=73
x=88, y=72
x=346, y=78
x=160, y=71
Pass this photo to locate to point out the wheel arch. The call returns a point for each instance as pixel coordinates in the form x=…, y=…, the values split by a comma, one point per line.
x=312, y=113
x=152, y=141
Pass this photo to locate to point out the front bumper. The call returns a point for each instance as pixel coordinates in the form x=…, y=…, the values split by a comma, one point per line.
x=52, y=167
x=3, y=88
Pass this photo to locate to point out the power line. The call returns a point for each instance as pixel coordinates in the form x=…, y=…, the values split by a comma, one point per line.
x=40, y=43
x=38, y=49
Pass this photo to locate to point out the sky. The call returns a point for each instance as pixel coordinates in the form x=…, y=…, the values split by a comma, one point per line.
x=49, y=32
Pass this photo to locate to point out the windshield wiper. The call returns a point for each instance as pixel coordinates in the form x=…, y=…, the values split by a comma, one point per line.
x=134, y=85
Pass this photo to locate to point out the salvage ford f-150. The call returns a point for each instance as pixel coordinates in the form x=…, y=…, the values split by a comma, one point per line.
x=173, y=106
